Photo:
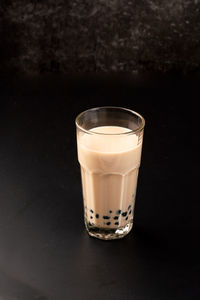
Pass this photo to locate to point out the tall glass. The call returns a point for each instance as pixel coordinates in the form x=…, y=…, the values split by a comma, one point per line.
x=109, y=144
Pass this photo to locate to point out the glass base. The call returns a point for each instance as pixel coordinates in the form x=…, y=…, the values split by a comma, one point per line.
x=108, y=233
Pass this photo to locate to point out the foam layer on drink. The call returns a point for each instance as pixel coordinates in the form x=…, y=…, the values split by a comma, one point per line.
x=109, y=157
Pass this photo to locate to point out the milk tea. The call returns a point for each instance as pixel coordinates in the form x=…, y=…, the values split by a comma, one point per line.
x=109, y=157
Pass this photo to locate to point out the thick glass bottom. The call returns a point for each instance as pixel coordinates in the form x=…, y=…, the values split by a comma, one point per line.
x=108, y=233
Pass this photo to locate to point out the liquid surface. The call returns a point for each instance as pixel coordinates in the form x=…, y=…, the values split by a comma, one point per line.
x=110, y=139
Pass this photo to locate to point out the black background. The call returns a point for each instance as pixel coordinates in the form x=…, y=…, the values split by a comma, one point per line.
x=45, y=252
x=136, y=36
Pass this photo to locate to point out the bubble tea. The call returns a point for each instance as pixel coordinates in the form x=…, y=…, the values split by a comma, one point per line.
x=109, y=143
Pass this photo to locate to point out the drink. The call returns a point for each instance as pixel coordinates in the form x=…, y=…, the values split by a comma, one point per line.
x=109, y=158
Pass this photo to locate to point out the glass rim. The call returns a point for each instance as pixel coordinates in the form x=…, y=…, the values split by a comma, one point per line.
x=141, y=127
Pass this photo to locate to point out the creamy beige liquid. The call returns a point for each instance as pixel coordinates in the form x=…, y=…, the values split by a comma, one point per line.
x=109, y=169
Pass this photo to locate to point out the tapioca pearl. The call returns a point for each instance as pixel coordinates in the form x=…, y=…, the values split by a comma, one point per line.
x=129, y=207
x=91, y=211
x=91, y=217
x=110, y=211
x=116, y=218
x=130, y=212
x=106, y=217
x=119, y=211
x=108, y=223
x=97, y=216
x=126, y=218
x=124, y=214
x=116, y=223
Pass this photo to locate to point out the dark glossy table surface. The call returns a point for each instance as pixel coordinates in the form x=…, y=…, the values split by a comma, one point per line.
x=45, y=252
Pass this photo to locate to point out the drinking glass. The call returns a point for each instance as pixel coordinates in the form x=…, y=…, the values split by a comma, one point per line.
x=109, y=146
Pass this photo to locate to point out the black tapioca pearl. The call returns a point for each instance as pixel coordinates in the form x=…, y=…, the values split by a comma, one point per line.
x=97, y=216
x=106, y=217
x=108, y=223
x=119, y=211
x=130, y=212
x=124, y=214
x=126, y=218
x=110, y=211
x=91, y=211
x=116, y=218
x=129, y=207
x=116, y=223
x=91, y=217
